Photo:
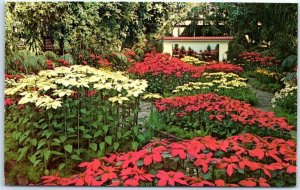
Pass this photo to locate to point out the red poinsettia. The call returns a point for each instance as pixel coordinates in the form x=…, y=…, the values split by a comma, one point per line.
x=170, y=178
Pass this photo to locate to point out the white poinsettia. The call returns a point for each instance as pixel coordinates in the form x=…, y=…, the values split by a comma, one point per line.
x=63, y=81
x=120, y=99
x=63, y=92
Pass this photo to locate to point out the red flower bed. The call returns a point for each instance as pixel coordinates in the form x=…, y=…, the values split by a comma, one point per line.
x=94, y=60
x=162, y=64
x=254, y=59
x=243, y=160
x=162, y=71
x=227, y=115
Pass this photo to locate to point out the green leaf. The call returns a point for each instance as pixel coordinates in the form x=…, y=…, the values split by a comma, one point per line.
x=83, y=110
x=119, y=134
x=75, y=157
x=127, y=133
x=108, y=139
x=135, y=130
x=41, y=143
x=34, y=142
x=37, y=162
x=56, y=153
x=61, y=166
x=71, y=130
x=97, y=134
x=141, y=137
x=102, y=146
x=105, y=128
x=140, y=162
x=62, y=138
x=68, y=148
x=56, y=140
x=116, y=145
x=47, y=154
x=32, y=159
x=134, y=145
x=87, y=136
x=93, y=146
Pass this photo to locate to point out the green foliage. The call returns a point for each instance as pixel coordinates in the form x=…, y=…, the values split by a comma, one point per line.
x=234, y=50
x=269, y=87
x=77, y=26
x=289, y=63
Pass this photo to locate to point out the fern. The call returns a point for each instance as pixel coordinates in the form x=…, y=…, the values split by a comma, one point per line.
x=289, y=63
x=68, y=57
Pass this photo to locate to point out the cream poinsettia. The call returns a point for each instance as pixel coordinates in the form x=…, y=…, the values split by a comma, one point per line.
x=46, y=88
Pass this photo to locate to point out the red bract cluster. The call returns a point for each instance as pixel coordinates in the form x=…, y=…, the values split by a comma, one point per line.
x=257, y=58
x=94, y=60
x=164, y=64
x=223, y=109
x=8, y=76
x=202, y=161
x=63, y=62
x=8, y=102
x=222, y=67
x=49, y=64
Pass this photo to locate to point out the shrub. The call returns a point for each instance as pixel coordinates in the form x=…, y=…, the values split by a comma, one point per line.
x=73, y=113
x=285, y=101
x=220, y=116
x=243, y=160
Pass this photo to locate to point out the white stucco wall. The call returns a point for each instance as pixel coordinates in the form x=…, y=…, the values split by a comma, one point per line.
x=168, y=46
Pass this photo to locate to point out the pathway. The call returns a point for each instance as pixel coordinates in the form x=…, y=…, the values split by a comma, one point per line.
x=145, y=111
x=264, y=99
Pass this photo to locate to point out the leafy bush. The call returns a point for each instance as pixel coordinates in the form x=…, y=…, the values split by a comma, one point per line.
x=285, y=101
x=243, y=160
x=73, y=113
x=220, y=116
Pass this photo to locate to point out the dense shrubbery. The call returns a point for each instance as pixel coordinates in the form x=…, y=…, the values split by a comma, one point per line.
x=220, y=116
x=243, y=160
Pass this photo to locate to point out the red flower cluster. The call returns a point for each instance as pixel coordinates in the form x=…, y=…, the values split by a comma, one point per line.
x=129, y=52
x=164, y=64
x=223, y=109
x=261, y=157
x=94, y=60
x=257, y=58
x=8, y=76
x=8, y=102
x=50, y=64
x=222, y=67
x=63, y=62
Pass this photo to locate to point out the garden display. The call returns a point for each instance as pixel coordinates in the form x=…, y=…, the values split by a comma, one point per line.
x=96, y=96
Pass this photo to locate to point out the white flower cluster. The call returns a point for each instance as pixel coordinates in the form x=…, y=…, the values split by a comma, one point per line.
x=49, y=87
x=289, y=89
